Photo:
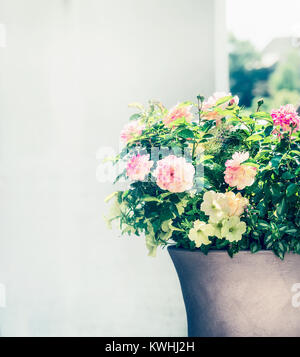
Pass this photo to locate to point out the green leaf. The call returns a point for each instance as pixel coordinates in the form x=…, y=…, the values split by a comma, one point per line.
x=263, y=225
x=186, y=134
x=287, y=176
x=268, y=130
x=174, y=209
x=269, y=239
x=295, y=152
x=262, y=115
x=255, y=137
x=291, y=231
x=276, y=193
x=254, y=247
x=275, y=161
x=280, y=254
x=291, y=189
x=135, y=116
x=223, y=100
x=166, y=194
x=288, y=230
x=156, y=223
x=151, y=199
x=269, y=245
x=262, y=208
x=281, y=209
x=208, y=136
x=281, y=246
x=250, y=163
x=204, y=158
x=179, y=121
x=269, y=139
x=165, y=213
x=248, y=120
x=207, y=126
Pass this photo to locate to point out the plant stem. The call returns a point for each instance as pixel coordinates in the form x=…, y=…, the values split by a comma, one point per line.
x=200, y=100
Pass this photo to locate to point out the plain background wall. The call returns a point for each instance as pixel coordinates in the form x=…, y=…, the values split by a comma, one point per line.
x=67, y=73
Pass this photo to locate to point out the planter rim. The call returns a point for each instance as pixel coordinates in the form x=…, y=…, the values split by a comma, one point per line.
x=217, y=252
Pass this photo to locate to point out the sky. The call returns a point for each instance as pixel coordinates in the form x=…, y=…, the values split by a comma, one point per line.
x=262, y=20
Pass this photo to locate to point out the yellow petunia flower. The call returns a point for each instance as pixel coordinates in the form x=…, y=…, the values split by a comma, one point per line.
x=212, y=207
x=200, y=233
x=233, y=229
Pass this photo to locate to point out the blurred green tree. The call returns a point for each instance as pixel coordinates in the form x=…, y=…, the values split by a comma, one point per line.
x=284, y=83
x=287, y=74
x=279, y=98
x=248, y=78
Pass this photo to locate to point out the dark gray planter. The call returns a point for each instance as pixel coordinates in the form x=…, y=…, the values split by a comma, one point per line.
x=247, y=296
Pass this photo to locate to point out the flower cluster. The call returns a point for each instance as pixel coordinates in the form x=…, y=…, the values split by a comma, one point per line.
x=224, y=211
x=172, y=173
x=227, y=181
x=287, y=118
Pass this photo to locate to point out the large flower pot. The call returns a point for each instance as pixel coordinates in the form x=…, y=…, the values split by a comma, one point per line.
x=248, y=295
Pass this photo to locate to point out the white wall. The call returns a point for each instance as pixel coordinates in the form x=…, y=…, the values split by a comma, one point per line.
x=67, y=72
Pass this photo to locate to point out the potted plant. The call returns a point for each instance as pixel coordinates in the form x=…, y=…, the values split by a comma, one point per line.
x=210, y=181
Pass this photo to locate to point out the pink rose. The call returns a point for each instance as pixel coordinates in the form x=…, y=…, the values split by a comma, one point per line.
x=174, y=174
x=237, y=175
x=234, y=205
x=237, y=159
x=178, y=112
x=211, y=102
x=131, y=130
x=138, y=167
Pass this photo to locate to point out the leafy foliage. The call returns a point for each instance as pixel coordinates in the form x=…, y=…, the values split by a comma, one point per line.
x=273, y=214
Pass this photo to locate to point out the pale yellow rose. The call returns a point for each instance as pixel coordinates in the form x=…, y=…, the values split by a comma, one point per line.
x=233, y=205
